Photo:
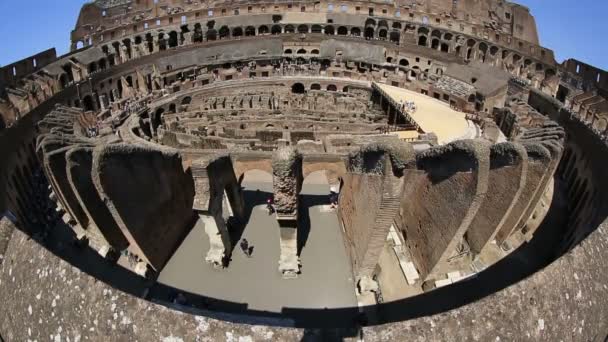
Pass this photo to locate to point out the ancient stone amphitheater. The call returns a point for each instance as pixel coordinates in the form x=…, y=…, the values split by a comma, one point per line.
x=274, y=170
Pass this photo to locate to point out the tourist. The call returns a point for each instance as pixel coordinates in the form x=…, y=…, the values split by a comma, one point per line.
x=269, y=206
x=245, y=247
x=333, y=199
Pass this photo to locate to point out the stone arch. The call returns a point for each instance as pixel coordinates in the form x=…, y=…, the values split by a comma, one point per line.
x=332, y=87
x=276, y=29
x=63, y=80
x=298, y=88
x=369, y=32
x=301, y=52
x=314, y=52
x=288, y=51
x=404, y=62
x=244, y=165
x=92, y=67
x=224, y=32
x=422, y=40
x=249, y=31
x=483, y=50
x=315, y=86
x=435, y=43
x=334, y=170
x=316, y=29
x=342, y=31
x=173, y=39
x=263, y=29
x=237, y=32
x=383, y=33
x=395, y=36
x=186, y=100
x=355, y=31
x=88, y=103
x=329, y=29
x=303, y=28
x=290, y=29
x=423, y=30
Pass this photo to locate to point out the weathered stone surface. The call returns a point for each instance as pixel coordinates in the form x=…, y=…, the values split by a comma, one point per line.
x=46, y=298
x=103, y=229
x=566, y=301
x=56, y=162
x=148, y=194
x=538, y=162
x=370, y=200
x=454, y=178
x=508, y=169
x=287, y=180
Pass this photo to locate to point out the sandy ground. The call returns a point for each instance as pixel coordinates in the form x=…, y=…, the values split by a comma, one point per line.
x=326, y=280
x=432, y=115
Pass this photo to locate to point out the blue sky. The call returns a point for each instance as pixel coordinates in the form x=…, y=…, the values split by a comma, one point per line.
x=571, y=28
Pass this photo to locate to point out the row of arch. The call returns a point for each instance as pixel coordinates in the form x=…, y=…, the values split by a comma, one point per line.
x=447, y=42
x=299, y=88
x=471, y=49
x=301, y=51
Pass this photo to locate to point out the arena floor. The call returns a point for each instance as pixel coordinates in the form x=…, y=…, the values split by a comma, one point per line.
x=433, y=115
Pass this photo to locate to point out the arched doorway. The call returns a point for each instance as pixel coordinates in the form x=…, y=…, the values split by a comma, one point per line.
x=298, y=88
x=89, y=104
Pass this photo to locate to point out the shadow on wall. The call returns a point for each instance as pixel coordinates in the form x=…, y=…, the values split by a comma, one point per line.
x=521, y=263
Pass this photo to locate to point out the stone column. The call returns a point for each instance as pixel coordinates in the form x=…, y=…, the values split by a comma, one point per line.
x=155, y=44
x=287, y=183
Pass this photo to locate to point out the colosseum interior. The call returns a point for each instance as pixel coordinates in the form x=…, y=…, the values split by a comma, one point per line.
x=303, y=170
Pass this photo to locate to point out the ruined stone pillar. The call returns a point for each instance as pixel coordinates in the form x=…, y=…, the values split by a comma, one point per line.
x=287, y=183
x=217, y=198
x=187, y=38
x=155, y=44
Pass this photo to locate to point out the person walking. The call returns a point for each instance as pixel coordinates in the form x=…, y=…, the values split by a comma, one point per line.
x=269, y=206
x=245, y=247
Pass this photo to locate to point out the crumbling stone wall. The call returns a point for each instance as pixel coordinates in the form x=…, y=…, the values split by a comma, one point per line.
x=507, y=178
x=287, y=180
x=216, y=187
x=369, y=200
x=444, y=196
x=149, y=195
x=106, y=231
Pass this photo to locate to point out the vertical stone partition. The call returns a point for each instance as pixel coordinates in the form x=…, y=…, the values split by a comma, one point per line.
x=103, y=229
x=216, y=186
x=441, y=200
x=57, y=164
x=149, y=195
x=508, y=168
x=287, y=182
x=538, y=162
x=370, y=201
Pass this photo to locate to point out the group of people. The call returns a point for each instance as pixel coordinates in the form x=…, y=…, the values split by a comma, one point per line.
x=408, y=106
